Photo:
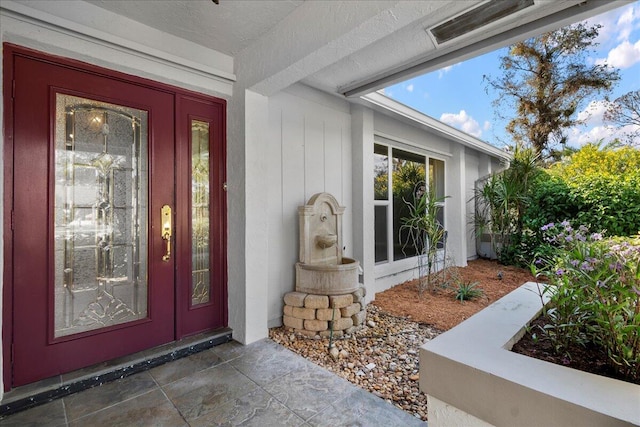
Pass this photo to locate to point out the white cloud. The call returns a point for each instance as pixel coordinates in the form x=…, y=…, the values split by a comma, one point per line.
x=594, y=112
x=628, y=20
x=616, y=24
x=462, y=121
x=443, y=71
x=622, y=56
x=486, y=125
x=578, y=137
x=595, y=128
x=410, y=88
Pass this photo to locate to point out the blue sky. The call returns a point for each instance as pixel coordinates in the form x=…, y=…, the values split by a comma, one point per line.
x=457, y=94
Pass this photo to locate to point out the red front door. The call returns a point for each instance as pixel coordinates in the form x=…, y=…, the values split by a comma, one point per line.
x=112, y=252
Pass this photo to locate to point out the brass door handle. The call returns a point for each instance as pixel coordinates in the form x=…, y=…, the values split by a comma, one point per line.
x=166, y=231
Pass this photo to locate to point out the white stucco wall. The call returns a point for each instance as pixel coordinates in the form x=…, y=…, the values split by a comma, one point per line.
x=309, y=151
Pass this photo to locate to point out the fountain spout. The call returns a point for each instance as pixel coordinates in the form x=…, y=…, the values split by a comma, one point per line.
x=326, y=241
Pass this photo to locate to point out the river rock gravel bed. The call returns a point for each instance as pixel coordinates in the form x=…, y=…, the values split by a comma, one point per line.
x=382, y=357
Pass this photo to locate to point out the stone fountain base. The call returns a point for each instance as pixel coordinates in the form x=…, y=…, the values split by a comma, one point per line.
x=311, y=315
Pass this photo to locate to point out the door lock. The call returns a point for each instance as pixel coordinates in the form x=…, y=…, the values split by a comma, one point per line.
x=166, y=230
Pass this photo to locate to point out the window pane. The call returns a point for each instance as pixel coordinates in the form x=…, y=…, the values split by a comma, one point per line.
x=100, y=257
x=380, y=172
x=440, y=218
x=380, y=213
x=436, y=177
x=200, y=236
x=408, y=177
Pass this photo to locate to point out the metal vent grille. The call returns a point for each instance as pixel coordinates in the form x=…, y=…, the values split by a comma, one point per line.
x=477, y=17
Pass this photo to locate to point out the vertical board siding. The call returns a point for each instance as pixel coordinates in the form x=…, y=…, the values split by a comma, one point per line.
x=314, y=143
x=346, y=193
x=309, y=152
x=333, y=159
x=473, y=173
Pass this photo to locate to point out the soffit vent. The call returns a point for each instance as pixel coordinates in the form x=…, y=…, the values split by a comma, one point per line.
x=477, y=17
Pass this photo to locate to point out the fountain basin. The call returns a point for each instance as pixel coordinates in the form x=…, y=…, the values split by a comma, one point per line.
x=328, y=279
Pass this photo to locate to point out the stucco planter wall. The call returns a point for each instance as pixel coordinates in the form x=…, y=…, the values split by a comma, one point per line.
x=472, y=378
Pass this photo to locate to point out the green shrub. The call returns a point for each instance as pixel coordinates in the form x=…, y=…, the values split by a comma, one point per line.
x=596, y=187
x=604, y=188
x=608, y=203
x=550, y=201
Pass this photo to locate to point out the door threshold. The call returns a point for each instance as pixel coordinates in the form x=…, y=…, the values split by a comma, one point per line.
x=44, y=391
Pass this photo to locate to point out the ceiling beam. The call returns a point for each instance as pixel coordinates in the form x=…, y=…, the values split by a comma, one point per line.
x=445, y=57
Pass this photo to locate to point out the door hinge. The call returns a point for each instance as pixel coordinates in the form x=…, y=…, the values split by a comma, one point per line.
x=225, y=186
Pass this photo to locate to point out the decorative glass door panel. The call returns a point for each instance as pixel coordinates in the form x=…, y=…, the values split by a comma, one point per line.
x=200, y=255
x=100, y=215
x=200, y=234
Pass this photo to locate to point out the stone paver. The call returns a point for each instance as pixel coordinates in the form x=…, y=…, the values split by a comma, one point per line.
x=231, y=384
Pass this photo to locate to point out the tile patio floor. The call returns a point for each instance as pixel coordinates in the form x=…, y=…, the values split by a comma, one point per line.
x=262, y=384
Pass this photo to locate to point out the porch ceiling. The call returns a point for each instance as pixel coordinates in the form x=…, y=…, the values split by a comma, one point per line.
x=227, y=27
x=384, y=41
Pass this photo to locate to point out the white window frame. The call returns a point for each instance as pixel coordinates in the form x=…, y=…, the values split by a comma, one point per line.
x=391, y=266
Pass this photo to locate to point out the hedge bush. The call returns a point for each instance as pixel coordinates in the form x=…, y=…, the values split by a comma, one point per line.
x=597, y=187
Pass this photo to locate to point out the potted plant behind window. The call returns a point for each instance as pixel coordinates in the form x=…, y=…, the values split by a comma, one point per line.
x=500, y=203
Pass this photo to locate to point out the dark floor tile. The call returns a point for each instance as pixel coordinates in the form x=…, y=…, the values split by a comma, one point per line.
x=204, y=391
x=268, y=362
x=309, y=390
x=50, y=414
x=150, y=409
x=362, y=408
x=172, y=371
x=257, y=408
x=234, y=349
x=97, y=398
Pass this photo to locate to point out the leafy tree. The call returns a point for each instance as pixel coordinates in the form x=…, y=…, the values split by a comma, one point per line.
x=621, y=164
x=546, y=79
x=625, y=111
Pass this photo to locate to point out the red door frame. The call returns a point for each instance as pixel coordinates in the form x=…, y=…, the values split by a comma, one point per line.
x=10, y=52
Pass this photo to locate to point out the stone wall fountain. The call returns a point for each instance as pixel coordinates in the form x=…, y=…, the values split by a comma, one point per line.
x=328, y=297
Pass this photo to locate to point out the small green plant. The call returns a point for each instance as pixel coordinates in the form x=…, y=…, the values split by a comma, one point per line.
x=466, y=291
